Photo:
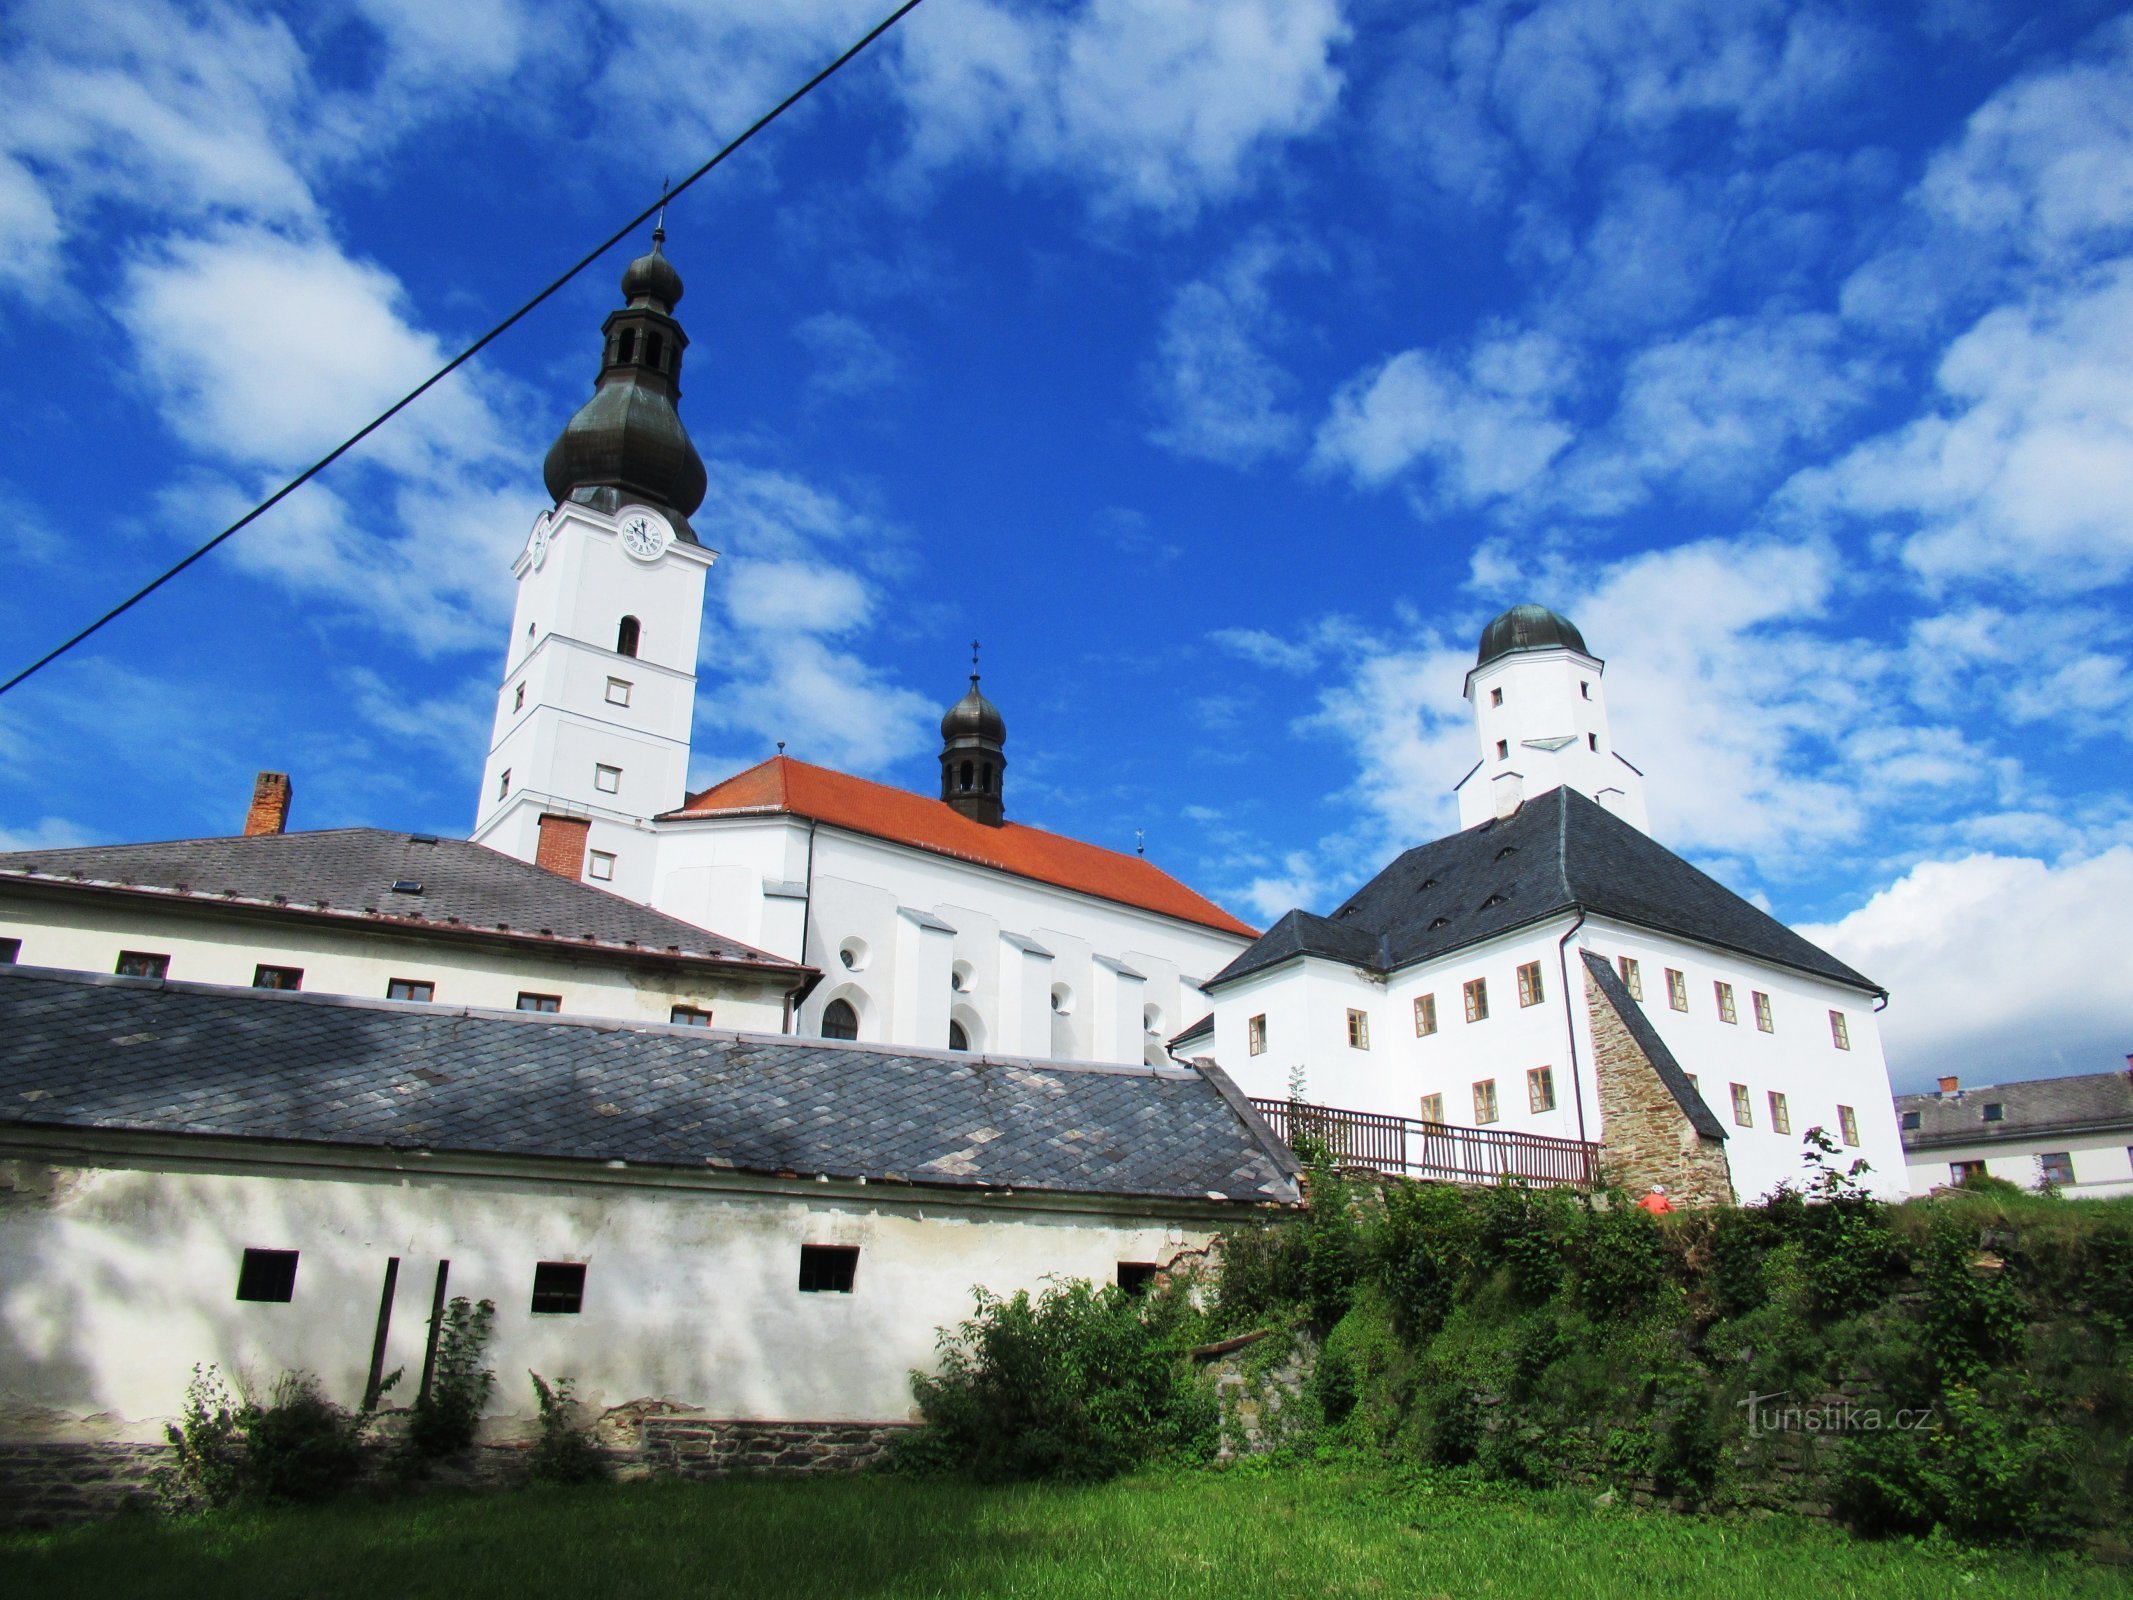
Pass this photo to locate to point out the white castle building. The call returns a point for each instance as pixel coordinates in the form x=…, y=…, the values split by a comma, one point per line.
x=939, y=922
x=1553, y=971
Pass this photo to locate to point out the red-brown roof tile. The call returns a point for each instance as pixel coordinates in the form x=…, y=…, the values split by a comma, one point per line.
x=783, y=784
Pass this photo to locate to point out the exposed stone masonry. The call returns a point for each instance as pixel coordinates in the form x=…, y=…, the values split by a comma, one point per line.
x=1646, y=1137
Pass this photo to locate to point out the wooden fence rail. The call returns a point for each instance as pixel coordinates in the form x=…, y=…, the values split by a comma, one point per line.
x=1439, y=1150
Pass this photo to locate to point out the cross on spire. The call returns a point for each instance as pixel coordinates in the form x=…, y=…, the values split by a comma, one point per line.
x=973, y=663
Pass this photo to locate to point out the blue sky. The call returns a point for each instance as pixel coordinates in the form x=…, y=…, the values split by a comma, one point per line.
x=1223, y=366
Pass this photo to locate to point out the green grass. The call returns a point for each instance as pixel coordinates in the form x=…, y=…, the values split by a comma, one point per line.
x=1293, y=1533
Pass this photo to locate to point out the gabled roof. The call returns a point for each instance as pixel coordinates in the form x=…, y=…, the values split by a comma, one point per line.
x=349, y=874
x=1559, y=852
x=796, y=788
x=2092, y=1102
x=149, y=1057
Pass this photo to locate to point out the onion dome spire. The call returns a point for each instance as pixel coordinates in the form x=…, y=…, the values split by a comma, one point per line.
x=973, y=757
x=627, y=442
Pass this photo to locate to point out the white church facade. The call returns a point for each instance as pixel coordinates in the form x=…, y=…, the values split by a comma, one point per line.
x=938, y=922
x=1494, y=978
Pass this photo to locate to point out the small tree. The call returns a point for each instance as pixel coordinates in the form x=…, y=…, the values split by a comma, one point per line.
x=445, y=1418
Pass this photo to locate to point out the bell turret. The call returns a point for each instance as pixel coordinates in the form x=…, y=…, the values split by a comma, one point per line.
x=973, y=754
x=627, y=443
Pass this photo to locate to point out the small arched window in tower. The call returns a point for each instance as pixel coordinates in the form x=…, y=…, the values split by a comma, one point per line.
x=655, y=349
x=985, y=778
x=957, y=1038
x=839, y=1020
x=626, y=637
x=626, y=346
x=966, y=777
x=1592, y=742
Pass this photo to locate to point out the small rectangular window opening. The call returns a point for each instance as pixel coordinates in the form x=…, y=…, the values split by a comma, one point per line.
x=265, y=977
x=1961, y=1172
x=503, y=783
x=1910, y=1122
x=1485, y=1101
x=2056, y=1167
x=1425, y=1015
x=1433, y=1108
x=608, y=780
x=1136, y=1277
x=558, y=1288
x=539, y=1002
x=1725, y=1002
x=690, y=1017
x=1495, y=697
x=1358, y=1030
x=1743, y=1107
x=1503, y=749
x=410, y=989
x=1540, y=1089
x=518, y=698
x=1529, y=984
x=618, y=691
x=1632, y=977
x=1848, y=1124
x=10, y=949
x=828, y=1268
x=1677, y=989
x=1763, y=1018
x=1592, y=742
x=1477, y=999
x=1585, y=689
x=1839, y=1034
x=600, y=865
x=1994, y=1111
x=142, y=964
x=1255, y=1036
x=268, y=1275
x=1780, y=1115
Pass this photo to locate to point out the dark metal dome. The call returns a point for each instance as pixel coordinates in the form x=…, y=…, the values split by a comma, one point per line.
x=627, y=441
x=974, y=717
x=1528, y=627
x=652, y=277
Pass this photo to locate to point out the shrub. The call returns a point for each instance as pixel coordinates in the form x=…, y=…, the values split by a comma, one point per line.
x=565, y=1452
x=1984, y=1471
x=296, y=1448
x=445, y=1418
x=1262, y=1278
x=1080, y=1383
x=1973, y=1320
x=1331, y=1242
x=1621, y=1261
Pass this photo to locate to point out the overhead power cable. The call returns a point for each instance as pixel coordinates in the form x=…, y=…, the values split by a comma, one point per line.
x=472, y=350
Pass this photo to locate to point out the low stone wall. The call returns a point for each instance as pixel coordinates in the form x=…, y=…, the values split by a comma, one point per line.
x=47, y=1484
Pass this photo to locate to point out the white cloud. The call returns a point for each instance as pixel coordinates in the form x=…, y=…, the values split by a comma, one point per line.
x=1998, y=967
x=1486, y=427
x=794, y=596
x=849, y=359
x=1218, y=394
x=455, y=725
x=2025, y=468
x=47, y=833
x=1155, y=104
x=29, y=230
x=1266, y=649
x=829, y=705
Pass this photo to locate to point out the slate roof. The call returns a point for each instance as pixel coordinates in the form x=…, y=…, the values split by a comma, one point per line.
x=801, y=789
x=87, y=1051
x=350, y=873
x=2093, y=1102
x=1558, y=852
x=1655, y=1051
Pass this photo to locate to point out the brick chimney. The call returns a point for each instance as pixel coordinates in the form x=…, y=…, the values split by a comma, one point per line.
x=562, y=846
x=271, y=794
x=1950, y=1085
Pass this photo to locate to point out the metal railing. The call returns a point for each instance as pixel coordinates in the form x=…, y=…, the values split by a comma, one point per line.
x=1439, y=1150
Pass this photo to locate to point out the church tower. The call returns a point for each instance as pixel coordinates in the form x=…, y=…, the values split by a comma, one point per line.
x=592, y=723
x=974, y=756
x=1540, y=711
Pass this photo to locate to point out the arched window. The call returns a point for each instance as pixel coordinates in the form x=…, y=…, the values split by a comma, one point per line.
x=966, y=777
x=626, y=637
x=957, y=1038
x=626, y=348
x=839, y=1020
x=655, y=347
x=985, y=779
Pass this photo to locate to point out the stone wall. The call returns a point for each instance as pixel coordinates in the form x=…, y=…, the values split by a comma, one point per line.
x=1646, y=1138
x=45, y=1484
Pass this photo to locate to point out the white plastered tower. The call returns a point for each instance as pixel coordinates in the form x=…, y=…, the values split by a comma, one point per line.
x=1540, y=714
x=591, y=739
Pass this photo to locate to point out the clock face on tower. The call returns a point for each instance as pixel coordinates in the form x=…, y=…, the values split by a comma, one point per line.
x=644, y=535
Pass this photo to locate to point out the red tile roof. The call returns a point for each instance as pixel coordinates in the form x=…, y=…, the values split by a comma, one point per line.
x=782, y=784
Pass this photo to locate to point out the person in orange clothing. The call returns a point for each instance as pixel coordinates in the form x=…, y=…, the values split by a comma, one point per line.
x=1656, y=1202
